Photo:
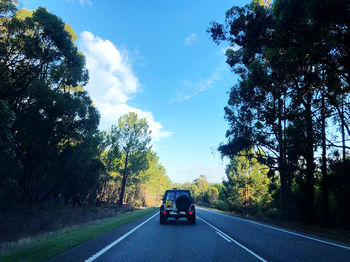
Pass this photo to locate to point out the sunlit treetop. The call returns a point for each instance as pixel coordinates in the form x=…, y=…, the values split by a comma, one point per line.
x=265, y=3
x=24, y=13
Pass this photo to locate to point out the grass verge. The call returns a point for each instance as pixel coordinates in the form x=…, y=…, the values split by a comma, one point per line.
x=61, y=240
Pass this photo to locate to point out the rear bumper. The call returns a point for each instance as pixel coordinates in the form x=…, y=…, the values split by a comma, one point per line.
x=177, y=215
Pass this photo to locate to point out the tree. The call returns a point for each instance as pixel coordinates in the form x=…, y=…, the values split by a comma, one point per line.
x=52, y=124
x=202, y=185
x=111, y=156
x=247, y=185
x=152, y=182
x=258, y=106
x=212, y=194
x=292, y=67
x=134, y=140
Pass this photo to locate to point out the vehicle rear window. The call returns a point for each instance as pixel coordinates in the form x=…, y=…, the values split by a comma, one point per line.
x=170, y=195
x=180, y=193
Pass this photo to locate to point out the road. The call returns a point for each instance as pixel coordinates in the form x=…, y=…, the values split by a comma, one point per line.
x=215, y=237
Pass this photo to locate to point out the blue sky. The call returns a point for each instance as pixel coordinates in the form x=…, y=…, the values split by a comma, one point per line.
x=155, y=58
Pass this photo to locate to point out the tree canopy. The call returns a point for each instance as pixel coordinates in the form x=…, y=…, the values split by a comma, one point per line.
x=50, y=146
x=292, y=58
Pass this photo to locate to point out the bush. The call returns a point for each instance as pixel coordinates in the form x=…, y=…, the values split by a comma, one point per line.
x=221, y=205
x=137, y=203
x=273, y=213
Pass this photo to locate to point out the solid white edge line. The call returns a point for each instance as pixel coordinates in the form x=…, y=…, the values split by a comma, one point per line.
x=237, y=243
x=99, y=253
x=228, y=240
x=285, y=231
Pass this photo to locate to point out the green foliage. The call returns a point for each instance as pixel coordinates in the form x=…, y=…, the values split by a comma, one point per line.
x=221, y=205
x=51, y=126
x=212, y=194
x=22, y=14
x=200, y=187
x=133, y=170
x=151, y=185
x=247, y=186
x=205, y=193
x=155, y=181
x=340, y=190
x=293, y=62
x=265, y=3
x=7, y=7
x=51, y=148
x=134, y=139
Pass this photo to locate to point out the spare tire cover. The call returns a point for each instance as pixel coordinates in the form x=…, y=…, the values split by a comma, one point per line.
x=183, y=203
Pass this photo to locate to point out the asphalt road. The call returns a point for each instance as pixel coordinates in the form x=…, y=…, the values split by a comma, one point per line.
x=215, y=237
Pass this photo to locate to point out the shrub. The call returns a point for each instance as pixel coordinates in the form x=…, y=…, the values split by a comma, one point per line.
x=221, y=205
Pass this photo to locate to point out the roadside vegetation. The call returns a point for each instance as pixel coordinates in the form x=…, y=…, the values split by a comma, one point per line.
x=48, y=245
x=52, y=154
x=289, y=111
x=51, y=147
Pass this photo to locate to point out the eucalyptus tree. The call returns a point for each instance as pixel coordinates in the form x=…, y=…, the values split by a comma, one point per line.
x=293, y=58
x=258, y=106
x=54, y=123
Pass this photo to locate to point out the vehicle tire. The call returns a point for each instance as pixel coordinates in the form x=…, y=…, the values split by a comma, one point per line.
x=192, y=220
x=183, y=203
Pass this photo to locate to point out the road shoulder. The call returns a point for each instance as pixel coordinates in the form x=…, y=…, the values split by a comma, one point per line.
x=71, y=238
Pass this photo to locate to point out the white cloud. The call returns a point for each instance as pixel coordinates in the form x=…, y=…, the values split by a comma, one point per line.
x=214, y=174
x=82, y=2
x=189, y=40
x=112, y=83
x=190, y=89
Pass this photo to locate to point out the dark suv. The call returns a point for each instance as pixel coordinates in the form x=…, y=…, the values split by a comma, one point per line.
x=177, y=203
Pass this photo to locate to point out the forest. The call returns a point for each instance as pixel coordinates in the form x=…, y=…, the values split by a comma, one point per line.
x=51, y=150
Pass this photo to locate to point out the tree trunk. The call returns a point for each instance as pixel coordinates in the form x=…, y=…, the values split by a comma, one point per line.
x=281, y=164
x=309, y=157
x=325, y=190
x=342, y=128
x=121, y=197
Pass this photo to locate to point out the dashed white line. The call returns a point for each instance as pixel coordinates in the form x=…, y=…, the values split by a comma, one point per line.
x=234, y=241
x=228, y=240
x=285, y=231
x=99, y=253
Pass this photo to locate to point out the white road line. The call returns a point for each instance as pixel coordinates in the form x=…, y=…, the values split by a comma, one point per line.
x=234, y=241
x=286, y=231
x=99, y=253
x=228, y=240
x=225, y=235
